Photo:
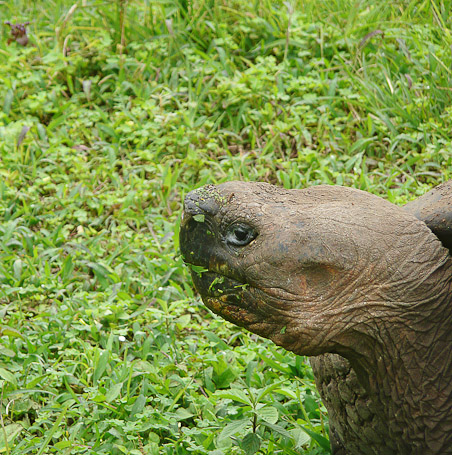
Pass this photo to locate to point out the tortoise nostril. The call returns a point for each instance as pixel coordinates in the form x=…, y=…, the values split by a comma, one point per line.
x=191, y=206
x=200, y=202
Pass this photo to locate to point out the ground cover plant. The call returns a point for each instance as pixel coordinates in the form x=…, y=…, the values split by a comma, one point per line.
x=109, y=114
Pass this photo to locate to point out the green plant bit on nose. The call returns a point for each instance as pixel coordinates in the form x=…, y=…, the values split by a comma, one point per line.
x=198, y=269
x=199, y=218
x=217, y=280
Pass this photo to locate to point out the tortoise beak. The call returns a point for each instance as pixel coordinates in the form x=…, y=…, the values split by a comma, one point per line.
x=196, y=237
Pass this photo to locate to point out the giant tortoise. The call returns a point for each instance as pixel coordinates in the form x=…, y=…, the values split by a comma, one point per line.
x=337, y=273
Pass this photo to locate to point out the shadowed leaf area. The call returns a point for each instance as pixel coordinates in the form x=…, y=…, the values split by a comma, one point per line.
x=109, y=113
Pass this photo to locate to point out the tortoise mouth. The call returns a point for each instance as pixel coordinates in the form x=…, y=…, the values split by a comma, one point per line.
x=214, y=285
x=227, y=297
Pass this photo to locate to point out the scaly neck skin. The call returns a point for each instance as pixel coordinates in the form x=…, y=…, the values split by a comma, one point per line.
x=405, y=363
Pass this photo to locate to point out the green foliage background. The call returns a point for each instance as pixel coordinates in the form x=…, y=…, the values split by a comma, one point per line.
x=108, y=117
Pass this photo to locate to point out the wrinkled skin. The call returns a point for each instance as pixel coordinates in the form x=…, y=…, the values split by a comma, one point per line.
x=337, y=271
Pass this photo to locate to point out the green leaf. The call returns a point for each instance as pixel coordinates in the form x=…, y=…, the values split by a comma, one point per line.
x=269, y=414
x=321, y=440
x=225, y=378
x=234, y=394
x=17, y=269
x=8, y=376
x=8, y=101
x=251, y=443
x=63, y=444
x=199, y=218
x=214, y=338
x=108, y=130
x=138, y=406
x=99, y=398
x=277, y=428
x=7, y=352
x=183, y=414
x=11, y=332
x=262, y=393
x=67, y=268
x=234, y=427
x=101, y=366
x=300, y=436
x=32, y=383
x=153, y=437
x=113, y=392
x=198, y=269
x=277, y=366
x=8, y=434
x=100, y=271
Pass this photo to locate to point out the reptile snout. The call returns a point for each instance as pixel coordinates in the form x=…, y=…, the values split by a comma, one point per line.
x=202, y=201
x=196, y=230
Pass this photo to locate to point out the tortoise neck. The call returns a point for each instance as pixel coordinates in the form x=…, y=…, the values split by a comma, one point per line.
x=407, y=366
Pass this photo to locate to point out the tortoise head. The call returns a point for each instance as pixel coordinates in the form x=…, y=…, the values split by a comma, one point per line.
x=309, y=269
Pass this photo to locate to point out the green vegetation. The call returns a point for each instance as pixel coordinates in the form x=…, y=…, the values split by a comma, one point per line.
x=108, y=117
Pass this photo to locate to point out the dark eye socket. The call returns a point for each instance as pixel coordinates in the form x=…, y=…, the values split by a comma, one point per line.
x=240, y=235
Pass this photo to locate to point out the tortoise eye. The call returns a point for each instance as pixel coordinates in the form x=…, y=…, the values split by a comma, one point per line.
x=240, y=235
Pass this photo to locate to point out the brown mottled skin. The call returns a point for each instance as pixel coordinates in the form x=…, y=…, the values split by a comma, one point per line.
x=344, y=275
